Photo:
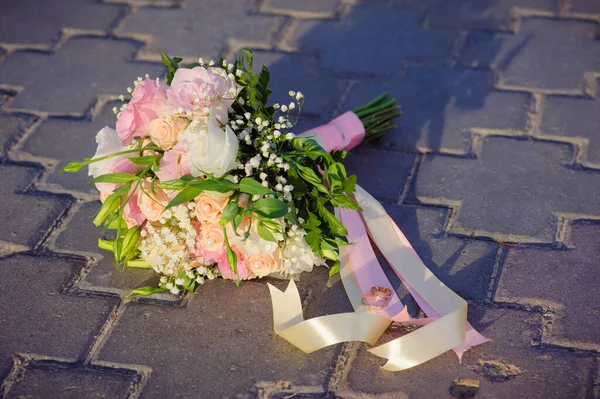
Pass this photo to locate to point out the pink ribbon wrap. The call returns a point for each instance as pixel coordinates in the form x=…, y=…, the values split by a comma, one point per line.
x=345, y=133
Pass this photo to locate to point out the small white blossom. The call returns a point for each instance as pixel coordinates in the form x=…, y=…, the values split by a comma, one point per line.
x=292, y=106
x=276, y=105
x=179, y=281
x=284, y=108
x=299, y=95
x=292, y=93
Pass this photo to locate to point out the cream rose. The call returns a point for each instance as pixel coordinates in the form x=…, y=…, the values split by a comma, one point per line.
x=152, y=204
x=209, y=208
x=210, y=149
x=211, y=237
x=164, y=131
x=264, y=264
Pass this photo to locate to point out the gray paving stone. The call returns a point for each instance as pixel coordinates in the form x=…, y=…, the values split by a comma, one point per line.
x=17, y=17
x=573, y=117
x=67, y=383
x=585, y=6
x=300, y=73
x=69, y=139
x=514, y=187
x=372, y=169
x=351, y=44
x=26, y=218
x=179, y=28
x=310, y=8
x=81, y=235
x=464, y=265
x=488, y=14
x=545, y=53
x=220, y=345
x=69, y=80
x=564, y=281
x=36, y=318
x=11, y=126
x=514, y=336
x=456, y=100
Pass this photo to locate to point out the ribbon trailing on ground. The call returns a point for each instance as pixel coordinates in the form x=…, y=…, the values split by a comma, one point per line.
x=446, y=325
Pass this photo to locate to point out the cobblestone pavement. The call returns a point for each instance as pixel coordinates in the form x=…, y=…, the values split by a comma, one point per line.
x=493, y=173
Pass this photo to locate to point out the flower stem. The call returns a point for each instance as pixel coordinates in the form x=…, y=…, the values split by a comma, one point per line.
x=378, y=116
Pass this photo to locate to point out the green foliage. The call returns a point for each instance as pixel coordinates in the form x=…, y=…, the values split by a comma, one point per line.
x=270, y=207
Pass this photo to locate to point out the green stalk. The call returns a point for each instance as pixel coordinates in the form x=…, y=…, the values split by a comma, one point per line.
x=378, y=116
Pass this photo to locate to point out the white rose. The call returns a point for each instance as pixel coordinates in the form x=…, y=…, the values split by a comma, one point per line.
x=210, y=149
x=298, y=257
x=108, y=143
x=254, y=244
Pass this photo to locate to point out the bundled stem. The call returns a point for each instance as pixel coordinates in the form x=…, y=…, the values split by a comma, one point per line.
x=378, y=116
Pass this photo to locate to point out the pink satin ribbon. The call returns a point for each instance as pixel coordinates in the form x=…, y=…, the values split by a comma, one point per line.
x=345, y=133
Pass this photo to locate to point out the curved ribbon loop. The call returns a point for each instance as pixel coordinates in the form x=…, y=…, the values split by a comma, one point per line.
x=445, y=327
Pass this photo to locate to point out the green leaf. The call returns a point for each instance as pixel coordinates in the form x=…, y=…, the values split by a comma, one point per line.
x=335, y=268
x=270, y=207
x=115, y=222
x=291, y=215
x=232, y=260
x=220, y=185
x=145, y=160
x=147, y=290
x=108, y=207
x=117, y=178
x=334, y=225
x=138, y=264
x=314, y=235
x=251, y=186
x=106, y=245
x=229, y=213
x=330, y=249
x=177, y=184
x=130, y=240
x=265, y=234
x=343, y=201
x=185, y=195
x=73, y=167
x=350, y=184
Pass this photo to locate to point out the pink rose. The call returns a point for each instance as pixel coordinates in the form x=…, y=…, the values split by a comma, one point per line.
x=209, y=208
x=132, y=214
x=264, y=264
x=199, y=89
x=152, y=204
x=242, y=272
x=173, y=164
x=164, y=131
x=148, y=102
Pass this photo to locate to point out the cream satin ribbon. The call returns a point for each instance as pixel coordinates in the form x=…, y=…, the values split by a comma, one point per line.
x=445, y=329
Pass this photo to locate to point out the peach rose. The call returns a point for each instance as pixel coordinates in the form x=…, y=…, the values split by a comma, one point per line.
x=209, y=207
x=264, y=264
x=210, y=242
x=164, y=131
x=152, y=204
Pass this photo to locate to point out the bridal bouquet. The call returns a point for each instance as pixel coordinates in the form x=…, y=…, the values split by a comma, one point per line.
x=203, y=178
